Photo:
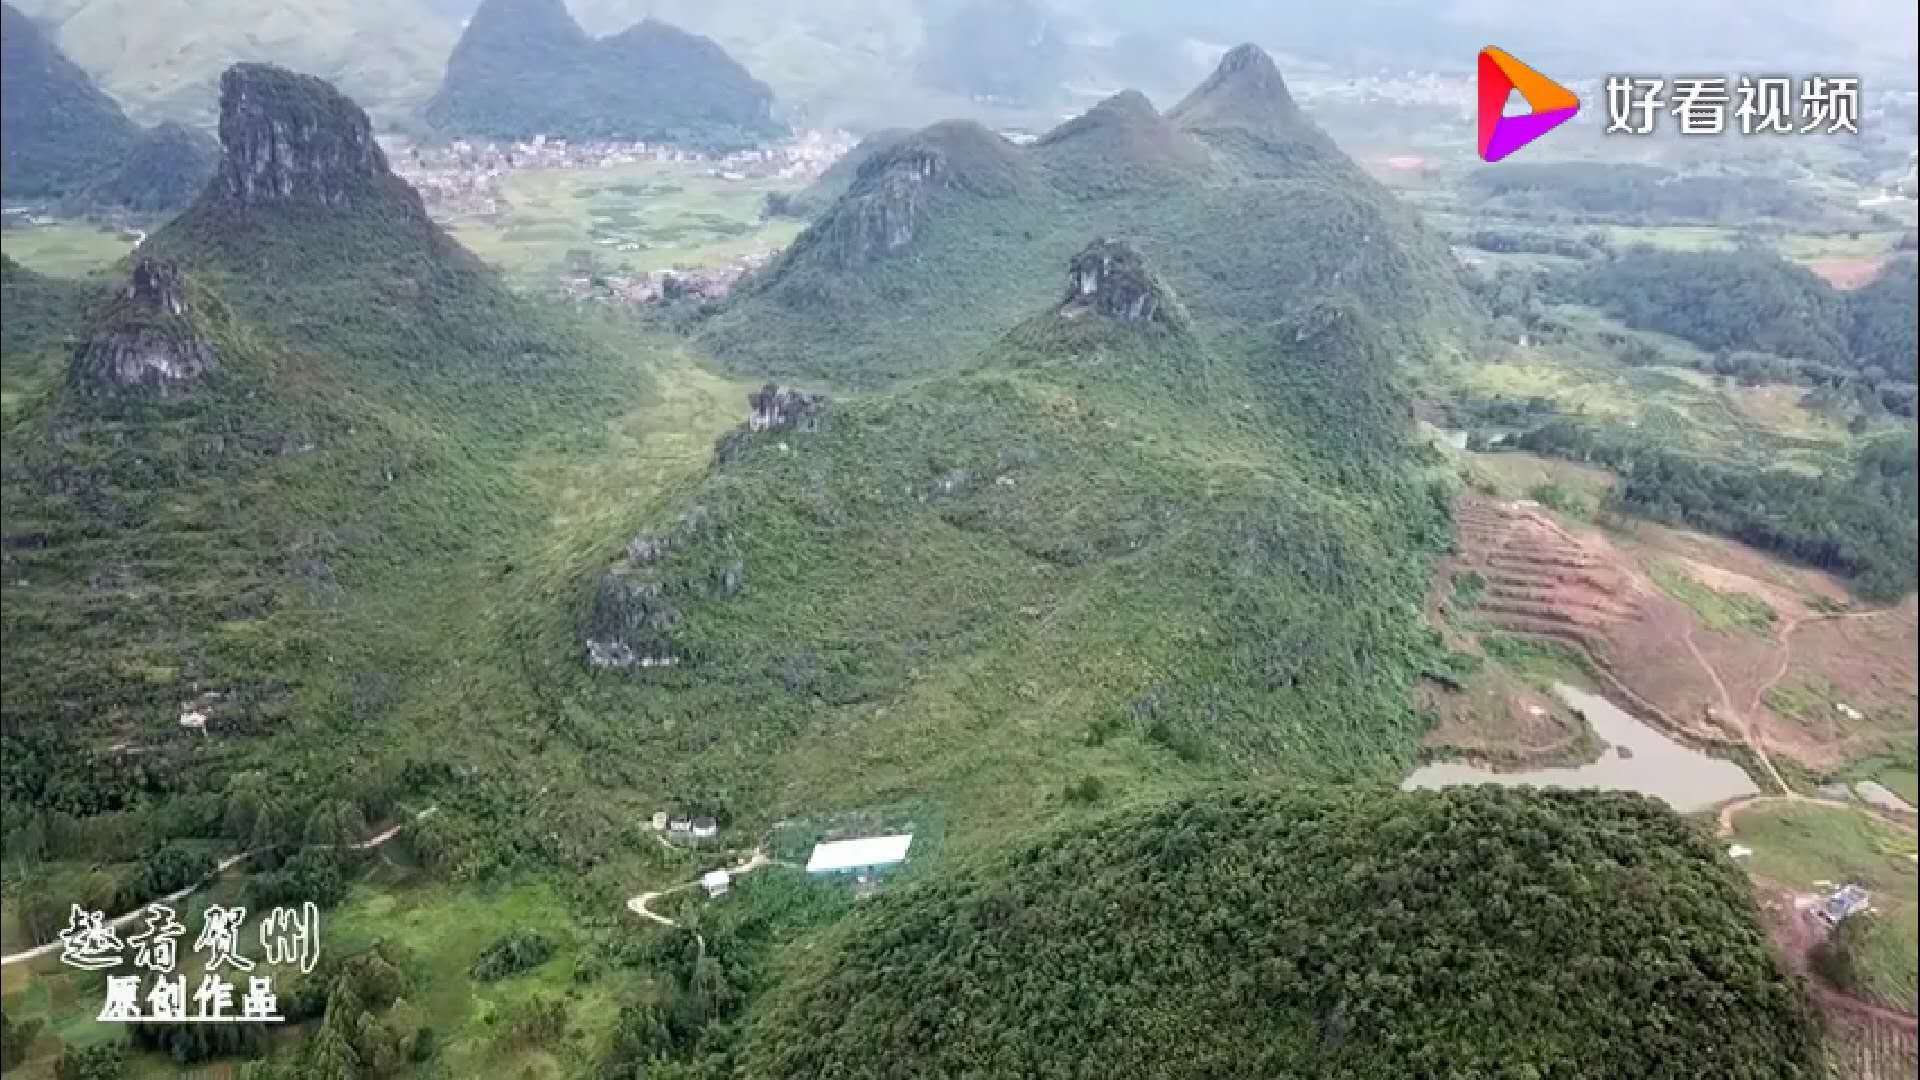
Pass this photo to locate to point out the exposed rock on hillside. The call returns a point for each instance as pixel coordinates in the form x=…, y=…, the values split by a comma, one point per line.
x=525, y=67
x=779, y=408
x=888, y=203
x=148, y=342
x=303, y=198
x=637, y=602
x=292, y=138
x=1111, y=279
x=836, y=181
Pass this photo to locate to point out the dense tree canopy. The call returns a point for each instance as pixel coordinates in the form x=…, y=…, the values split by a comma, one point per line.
x=1475, y=932
x=1861, y=525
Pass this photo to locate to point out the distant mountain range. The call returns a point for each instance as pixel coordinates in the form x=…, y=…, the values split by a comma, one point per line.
x=65, y=140
x=525, y=67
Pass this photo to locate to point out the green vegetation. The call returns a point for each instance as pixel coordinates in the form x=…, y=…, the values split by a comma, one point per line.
x=1802, y=845
x=408, y=539
x=1352, y=934
x=1634, y=194
x=1762, y=314
x=1727, y=612
x=66, y=249
x=525, y=68
x=59, y=131
x=1468, y=587
x=623, y=220
x=953, y=234
x=40, y=310
x=518, y=951
x=1859, y=523
x=165, y=170
x=1554, y=497
x=837, y=180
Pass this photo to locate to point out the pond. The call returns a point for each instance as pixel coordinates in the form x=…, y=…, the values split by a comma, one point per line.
x=1685, y=778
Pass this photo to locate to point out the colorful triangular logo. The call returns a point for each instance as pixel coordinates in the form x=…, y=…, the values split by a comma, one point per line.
x=1501, y=75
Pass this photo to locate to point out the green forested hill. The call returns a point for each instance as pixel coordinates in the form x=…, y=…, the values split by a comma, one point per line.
x=838, y=178
x=58, y=131
x=295, y=416
x=165, y=170
x=1101, y=546
x=1473, y=932
x=953, y=232
x=524, y=68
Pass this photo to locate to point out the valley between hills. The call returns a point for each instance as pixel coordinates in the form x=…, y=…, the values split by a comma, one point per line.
x=1132, y=512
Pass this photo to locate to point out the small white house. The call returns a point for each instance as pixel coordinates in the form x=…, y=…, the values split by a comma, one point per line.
x=705, y=828
x=859, y=857
x=680, y=825
x=716, y=882
x=660, y=821
x=1739, y=851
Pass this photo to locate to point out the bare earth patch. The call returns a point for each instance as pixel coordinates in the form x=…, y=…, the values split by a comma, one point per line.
x=1546, y=578
x=1848, y=273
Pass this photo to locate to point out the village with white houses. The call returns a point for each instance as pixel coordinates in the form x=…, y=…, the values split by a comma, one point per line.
x=464, y=176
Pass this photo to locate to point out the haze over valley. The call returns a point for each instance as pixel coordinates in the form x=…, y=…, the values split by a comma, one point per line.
x=963, y=537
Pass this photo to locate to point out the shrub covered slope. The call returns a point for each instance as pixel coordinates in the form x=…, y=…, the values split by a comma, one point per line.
x=949, y=235
x=294, y=412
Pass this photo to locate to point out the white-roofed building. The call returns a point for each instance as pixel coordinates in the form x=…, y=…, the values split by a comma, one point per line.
x=859, y=857
x=716, y=882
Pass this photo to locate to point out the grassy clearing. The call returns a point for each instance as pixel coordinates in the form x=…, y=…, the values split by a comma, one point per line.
x=1519, y=475
x=1726, y=612
x=69, y=249
x=629, y=219
x=1801, y=845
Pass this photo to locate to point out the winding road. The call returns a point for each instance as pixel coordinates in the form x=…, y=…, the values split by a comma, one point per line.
x=1757, y=746
x=219, y=868
x=1795, y=927
x=638, y=904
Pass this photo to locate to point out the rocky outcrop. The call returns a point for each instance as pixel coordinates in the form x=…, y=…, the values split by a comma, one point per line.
x=148, y=342
x=1111, y=279
x=637, y=602
x=781, y=408
x=888, y=203
x=293, y=139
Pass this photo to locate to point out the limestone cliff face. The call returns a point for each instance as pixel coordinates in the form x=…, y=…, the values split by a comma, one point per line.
x=779, y=408
x=1111, y=279
x=291, y=138
x=887, y=206
x=148, y=343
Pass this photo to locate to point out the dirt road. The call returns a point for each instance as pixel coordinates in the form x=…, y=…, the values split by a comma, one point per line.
x=219, y=868
x=638, y=904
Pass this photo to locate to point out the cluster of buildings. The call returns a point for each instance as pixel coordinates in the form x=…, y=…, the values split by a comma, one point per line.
x=679, y=283
x=464, y=176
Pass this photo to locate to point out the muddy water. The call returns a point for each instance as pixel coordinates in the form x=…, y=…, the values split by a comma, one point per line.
x=1655, y=765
